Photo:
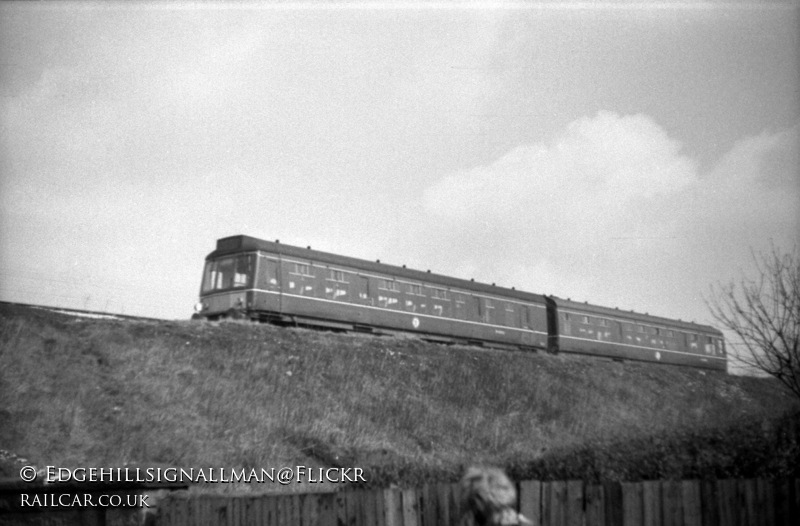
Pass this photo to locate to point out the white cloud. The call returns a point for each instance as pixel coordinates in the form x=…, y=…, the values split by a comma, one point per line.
x=613, y=212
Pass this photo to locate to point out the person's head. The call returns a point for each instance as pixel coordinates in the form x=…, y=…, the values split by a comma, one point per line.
x=489, y=498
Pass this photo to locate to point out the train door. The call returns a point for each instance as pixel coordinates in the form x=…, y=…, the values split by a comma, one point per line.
x=362, y=290
x=524, y=316
x=552, y=325
x=267, y=274
x=460, y=306
x=487, y=312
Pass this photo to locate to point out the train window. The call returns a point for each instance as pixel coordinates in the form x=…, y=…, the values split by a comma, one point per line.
x=388, y=284
x=303, y=269
x=639, y=328
x=414, y=288
x=387, y=301
x=336, y=275
x=603, y=322
x=670, y=334
x=584, y=319
x=565, y=315
x=242, y=273
x=230, y=272
x=440, y=294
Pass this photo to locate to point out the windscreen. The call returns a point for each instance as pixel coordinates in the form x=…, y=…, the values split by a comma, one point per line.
x=228, y=273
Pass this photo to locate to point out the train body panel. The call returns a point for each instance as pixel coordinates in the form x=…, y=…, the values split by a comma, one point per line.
x=270, y=281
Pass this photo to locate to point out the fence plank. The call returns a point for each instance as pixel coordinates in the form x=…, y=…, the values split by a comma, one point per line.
x=238, y=511
x=410, y=507
x=613, y=503
x=380, y=513
x=393, y=507
x=309, y=512
x=558, y=503
x=632, y=510
x=595, y=506
x=749, y=490
x=443, y=509
x=783, y=504
x=326, y=510
x=288, y=511
x=575, y=513
x=272, y=510
x=727, y=499
x=426, y=506
x=709, y=503
x=672, y=508
x=354, y=509
x=690, y=498
x=530, y=500
x=547, y=490
x=651, y=503
x=765, y=501
x=249, y=515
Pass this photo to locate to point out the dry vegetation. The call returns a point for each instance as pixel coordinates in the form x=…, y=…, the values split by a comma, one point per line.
x=81, y=392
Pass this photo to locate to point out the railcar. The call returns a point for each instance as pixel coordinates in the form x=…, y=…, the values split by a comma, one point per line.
x=245, y=277
x=592, y=329
x=271, y=281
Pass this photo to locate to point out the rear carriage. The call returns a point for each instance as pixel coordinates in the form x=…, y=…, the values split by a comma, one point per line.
x=602, y=331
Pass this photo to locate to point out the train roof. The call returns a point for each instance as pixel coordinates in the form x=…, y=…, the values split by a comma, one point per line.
x=241, y=243
x=631, y=316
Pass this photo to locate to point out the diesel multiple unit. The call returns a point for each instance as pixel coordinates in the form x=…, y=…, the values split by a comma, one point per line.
x=262, y=280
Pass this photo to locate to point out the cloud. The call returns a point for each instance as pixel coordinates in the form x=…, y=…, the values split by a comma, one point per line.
x=608, y=158
x=614, y=212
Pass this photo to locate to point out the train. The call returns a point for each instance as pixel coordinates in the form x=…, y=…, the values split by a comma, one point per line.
x=269, y=281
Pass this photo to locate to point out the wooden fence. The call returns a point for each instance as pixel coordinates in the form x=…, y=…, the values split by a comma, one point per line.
x=572, y=503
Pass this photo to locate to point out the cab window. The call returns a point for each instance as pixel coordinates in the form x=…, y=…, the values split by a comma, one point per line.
x=227, y=273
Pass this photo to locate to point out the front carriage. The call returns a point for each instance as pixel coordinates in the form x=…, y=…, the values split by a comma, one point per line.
x=270, y=281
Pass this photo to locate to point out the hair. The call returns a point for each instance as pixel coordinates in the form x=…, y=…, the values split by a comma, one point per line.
x=489, y=498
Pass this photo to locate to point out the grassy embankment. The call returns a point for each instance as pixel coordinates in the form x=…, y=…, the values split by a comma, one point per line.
x=82, y=392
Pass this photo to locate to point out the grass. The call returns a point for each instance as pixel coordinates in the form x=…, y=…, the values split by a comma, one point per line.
x=85, y=392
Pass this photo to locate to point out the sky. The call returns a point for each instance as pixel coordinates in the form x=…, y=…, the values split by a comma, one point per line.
x=627, y=154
